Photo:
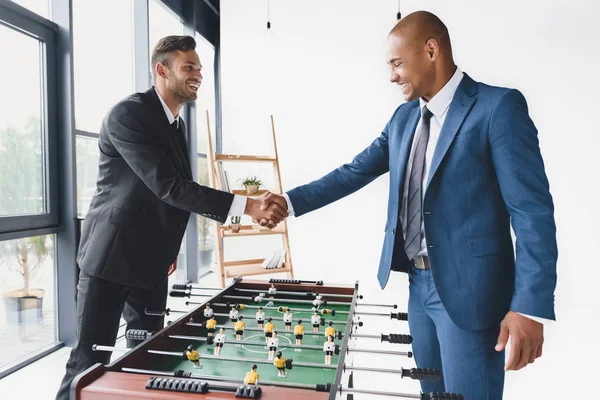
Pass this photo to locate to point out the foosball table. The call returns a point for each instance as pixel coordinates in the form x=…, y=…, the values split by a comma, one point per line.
x=277, y=339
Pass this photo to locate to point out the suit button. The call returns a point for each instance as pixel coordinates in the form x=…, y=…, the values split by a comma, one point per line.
x=427, y=212
x=393, y=231
x=432, y=246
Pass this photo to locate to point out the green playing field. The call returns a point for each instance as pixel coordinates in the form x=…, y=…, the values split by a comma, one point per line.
x=238, y=369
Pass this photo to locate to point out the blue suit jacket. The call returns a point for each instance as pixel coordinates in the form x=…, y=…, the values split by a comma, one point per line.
x=486, y=171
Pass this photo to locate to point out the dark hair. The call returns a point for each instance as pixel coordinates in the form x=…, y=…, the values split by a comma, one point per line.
x=299, y=321
x=167, y=45
x=330, y=323
x=254, y=366
x=241, y=318
x=278, y=354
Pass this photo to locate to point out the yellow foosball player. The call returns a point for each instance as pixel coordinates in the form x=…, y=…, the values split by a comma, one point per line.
x=299, y=332
x=330, y=330
x=328, y=311
x=210, y=326
x=239, y=329
x=268, y=329
x=251, y=377
x=193, y=356
x=279, y=362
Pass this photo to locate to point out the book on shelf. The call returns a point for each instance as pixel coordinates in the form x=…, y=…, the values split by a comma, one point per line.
x=276, y=260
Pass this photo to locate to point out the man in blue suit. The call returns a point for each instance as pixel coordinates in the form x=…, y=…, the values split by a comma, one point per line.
x=464, y=163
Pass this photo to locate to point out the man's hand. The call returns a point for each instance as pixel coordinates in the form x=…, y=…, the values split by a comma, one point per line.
x=268, y=208
x=269, y=201
x=526, y=337
x=172, y=268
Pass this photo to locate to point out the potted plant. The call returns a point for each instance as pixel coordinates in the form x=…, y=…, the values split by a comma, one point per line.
x=206, y=244
x=25, y=304
x=251, y=184
x=235, y=224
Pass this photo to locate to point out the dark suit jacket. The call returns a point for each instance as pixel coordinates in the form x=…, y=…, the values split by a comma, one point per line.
x=486, y=173
x=145, y=193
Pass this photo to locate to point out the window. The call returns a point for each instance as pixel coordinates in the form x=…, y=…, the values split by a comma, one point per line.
x=206, y=94
x=103, y=58
x=206, y=227
x=27, y=317
x=21, y=127
x=163, y=22
x=87, y=154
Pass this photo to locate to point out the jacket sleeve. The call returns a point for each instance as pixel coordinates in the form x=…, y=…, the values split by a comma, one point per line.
x=134, y=134
x=369, y=164
x=525, y=189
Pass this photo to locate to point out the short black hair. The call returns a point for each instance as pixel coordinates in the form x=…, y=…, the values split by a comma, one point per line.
x=254, y=366
x=168, y=45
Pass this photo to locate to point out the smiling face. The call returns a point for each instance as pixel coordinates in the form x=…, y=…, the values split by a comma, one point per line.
x=411, y=65
x=183, y=75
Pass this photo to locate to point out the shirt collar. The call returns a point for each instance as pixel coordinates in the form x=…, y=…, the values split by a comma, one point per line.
x=438, y=105
x=170, y=116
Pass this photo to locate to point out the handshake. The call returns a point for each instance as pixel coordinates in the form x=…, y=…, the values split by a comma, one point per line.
x=267, y=210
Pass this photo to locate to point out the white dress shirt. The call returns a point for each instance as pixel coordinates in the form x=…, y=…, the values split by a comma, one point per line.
x=238, y=206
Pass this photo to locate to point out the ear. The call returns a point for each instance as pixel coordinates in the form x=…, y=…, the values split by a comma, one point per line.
x=433, y=49
x=161, y=70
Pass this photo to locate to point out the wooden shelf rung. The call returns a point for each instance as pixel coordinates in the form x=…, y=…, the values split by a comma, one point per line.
x=235, y=157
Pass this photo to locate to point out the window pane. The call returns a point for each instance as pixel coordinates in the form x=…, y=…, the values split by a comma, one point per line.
x=162, y=22
x=206, y=227
x=103, y=58
x=206, y=94
x=27, y=317
x=21, y=156
x=87, y=172
x=40, y=7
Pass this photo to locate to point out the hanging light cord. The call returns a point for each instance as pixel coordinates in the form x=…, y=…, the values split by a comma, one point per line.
x=268, y=14
x=398, y=15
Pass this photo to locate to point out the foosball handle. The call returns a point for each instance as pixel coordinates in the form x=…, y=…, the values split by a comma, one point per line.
x=397, y=338
x=340, y=335
x=181, y=286
x=157, y=313
x=441, y=396
x=400, y=316
x=422, y=374
x=137, y=334
x=178, y=293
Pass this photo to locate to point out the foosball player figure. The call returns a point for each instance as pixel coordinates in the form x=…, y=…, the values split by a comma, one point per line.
x=330, y=330
x=328, y=348
x=299, y=332
x=315, y=320
x=251, y=376
x=272, y=292
x=210, y=326
x=318, y=300
x=259, y=298
x=233, y=315
x=260, y=317
x=219, y=341
x=193, y=356
x=287, y=319
x=279, y=362
x=268, y=330
x=239, y=329
x=208, y=312
x=273, y=344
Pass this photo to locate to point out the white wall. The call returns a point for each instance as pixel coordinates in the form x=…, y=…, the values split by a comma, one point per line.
x=322, y=73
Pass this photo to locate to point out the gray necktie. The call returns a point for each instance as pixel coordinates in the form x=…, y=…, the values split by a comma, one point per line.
x=412, y=244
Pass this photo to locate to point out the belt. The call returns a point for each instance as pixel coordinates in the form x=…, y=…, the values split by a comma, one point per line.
x=421, y=262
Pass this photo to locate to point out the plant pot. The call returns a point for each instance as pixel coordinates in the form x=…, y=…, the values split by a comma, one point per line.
x=251, y=189
x=206, y=257
x=23, y=309
x=235, y=227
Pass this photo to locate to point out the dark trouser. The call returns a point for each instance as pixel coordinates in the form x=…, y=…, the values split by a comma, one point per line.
x=100, y=304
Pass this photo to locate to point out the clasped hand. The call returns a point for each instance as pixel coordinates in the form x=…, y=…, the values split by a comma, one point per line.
x=267, y=210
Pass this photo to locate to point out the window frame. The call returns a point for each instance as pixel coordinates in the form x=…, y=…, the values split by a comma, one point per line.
x=29, y=23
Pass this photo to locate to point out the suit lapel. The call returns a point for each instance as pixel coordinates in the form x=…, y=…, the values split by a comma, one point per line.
x=406, y=144
x=460, y=106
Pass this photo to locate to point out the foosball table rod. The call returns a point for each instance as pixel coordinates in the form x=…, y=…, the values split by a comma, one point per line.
x=390, y=337
x=400, y=316
x=408, y=354
x=422, y=396
x=242, y=342
x=288, y=301
x=419, y=374
x=306, y=294
x=318, y=387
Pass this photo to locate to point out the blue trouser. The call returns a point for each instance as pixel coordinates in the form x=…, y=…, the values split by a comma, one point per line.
x=468, y=361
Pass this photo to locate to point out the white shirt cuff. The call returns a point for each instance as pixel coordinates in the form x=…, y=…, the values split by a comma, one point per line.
x=238, y=206
x=537, y=319
x=289, y=203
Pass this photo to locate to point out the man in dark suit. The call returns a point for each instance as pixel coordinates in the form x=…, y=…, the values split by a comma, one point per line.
x=138, y=215
x=464, y=164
